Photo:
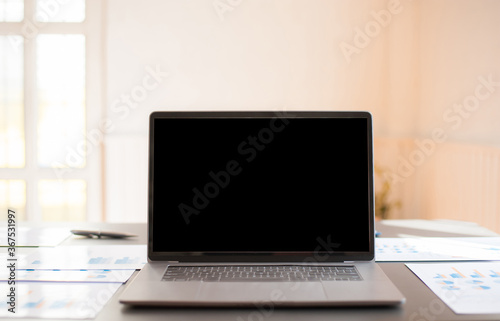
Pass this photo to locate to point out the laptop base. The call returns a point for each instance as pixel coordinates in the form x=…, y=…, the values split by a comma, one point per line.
x=374, y=290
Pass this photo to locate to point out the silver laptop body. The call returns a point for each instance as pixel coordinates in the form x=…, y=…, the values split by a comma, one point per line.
x=261, y=209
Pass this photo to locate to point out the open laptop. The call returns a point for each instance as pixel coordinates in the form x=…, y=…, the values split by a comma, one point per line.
x=250, y=208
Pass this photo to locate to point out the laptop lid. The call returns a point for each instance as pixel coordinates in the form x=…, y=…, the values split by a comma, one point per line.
x=260, y=187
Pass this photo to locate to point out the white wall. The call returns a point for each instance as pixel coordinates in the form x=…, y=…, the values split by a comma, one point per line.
x=287, y=54
x=263, y=55
x=462, y=43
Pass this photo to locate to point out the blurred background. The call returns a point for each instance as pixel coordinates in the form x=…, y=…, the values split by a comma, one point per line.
x=79, y=78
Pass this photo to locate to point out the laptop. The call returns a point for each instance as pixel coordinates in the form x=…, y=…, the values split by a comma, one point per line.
x=248, y=208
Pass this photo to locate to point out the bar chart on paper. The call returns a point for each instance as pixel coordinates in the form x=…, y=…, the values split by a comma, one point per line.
x=472, y=287
x=52, y=300
x=87, y=257
x=437, y=249
x=101, y=276
x=114, y=260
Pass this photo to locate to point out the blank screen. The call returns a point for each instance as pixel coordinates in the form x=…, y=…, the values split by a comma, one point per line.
x=260, y=184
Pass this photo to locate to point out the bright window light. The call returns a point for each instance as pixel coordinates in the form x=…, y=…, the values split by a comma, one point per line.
x=11, y=10
x=12, y=144
x=60, y=11
x=61, y=100
x=13, y=196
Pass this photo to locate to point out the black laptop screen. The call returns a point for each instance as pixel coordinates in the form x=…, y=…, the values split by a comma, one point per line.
x=267, y=185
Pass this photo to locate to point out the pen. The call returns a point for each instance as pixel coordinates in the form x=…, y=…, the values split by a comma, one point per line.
x=99, y=234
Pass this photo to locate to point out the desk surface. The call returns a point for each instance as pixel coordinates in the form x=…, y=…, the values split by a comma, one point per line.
x=422, y=303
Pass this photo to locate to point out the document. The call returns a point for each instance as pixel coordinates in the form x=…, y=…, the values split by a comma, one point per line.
x=437, y=249
x=446, y=226
x=113, y=276
x=467, y=288
x=27, y=236
x=54, y=300
x=98, y=257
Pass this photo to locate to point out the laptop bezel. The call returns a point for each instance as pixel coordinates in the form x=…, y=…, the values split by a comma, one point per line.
x=310, y=257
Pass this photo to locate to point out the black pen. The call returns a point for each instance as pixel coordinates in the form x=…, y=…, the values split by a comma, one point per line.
x=99, y=234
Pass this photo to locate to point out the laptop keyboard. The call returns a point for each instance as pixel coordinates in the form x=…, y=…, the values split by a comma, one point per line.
x=292, y=273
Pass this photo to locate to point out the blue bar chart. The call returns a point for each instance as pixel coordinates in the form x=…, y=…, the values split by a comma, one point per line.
x=468, y=287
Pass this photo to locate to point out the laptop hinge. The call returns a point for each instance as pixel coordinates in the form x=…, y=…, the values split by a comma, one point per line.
x=172, y=261
x=350, y=262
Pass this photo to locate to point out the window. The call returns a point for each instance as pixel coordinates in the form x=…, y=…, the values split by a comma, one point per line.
x=50, y=76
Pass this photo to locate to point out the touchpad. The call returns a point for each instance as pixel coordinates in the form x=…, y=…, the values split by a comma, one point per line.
x=239, y=292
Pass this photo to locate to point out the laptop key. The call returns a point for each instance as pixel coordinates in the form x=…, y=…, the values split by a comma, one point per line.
x=261, y=273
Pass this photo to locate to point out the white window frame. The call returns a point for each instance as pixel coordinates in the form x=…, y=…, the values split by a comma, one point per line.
x=92, y=173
